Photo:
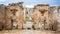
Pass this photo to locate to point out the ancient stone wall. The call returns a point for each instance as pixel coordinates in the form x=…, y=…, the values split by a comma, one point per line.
x=2, y=16
x=14, y=15
x=41, y=15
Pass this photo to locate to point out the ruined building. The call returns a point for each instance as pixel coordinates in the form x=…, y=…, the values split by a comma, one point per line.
x=14, y=15
x=28, y=18
x=2, y=16
x=55, y=11
x=41, y=16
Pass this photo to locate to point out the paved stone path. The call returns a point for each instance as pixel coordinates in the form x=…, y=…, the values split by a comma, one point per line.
x=27, y=32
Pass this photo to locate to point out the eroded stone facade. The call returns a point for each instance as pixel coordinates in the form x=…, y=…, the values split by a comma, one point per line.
x=2, y=16
x=55, y=12
x=41, y=16
x=14, y=15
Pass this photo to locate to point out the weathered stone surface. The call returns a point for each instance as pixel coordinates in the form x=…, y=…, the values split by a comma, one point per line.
x=41, y=14
x=14, y=13
x=2, y=16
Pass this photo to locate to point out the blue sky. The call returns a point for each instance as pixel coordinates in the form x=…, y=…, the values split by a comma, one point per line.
x=32, y=2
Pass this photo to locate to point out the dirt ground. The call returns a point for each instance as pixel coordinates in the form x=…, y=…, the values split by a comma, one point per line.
x=28, y=32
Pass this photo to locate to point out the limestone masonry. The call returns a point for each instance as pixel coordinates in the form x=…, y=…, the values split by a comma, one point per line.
x=42, y=16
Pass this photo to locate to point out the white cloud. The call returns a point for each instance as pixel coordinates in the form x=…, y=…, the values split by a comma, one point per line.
x=2, y=0
x=30, y=6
